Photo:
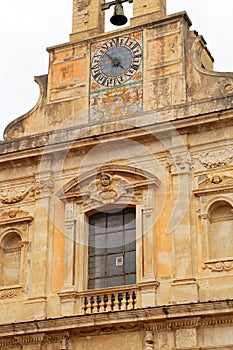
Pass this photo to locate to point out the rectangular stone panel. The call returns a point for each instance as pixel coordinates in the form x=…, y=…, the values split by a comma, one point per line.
x=126, y=341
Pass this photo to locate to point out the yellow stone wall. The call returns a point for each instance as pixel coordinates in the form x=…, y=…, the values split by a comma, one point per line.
x=172, y=161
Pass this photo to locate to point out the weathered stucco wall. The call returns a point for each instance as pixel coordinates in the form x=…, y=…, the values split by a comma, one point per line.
x=165, y=143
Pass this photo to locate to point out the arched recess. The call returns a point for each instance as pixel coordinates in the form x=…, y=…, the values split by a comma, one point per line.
x=11, y=255
x=221, y=230
x=217, y=232
x=109, y=189
x=14, y=229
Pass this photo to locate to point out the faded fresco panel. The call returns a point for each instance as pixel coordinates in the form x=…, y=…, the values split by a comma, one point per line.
x=115, y=103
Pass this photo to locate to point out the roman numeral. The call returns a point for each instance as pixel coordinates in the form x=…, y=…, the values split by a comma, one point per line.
x=134, y=66
x=96, y=75
x=96, y=66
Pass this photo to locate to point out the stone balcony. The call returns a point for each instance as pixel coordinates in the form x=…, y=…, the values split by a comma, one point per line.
x=109, y=300
x=128, y=297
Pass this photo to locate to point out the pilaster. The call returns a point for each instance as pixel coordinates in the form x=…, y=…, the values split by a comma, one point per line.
x=146, y=264
x=41, y=244
x=68, y=295
x=184, y=288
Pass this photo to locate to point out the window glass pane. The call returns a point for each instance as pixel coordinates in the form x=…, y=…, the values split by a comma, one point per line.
x=98, y=221
x=96, y=283
x=129, y=218
x=96, y=266
x=114, y=281
x=130, y=262
x=130, y=240
x=97, y=244
x=115, y=222
x=114, y=242
x=114, y=265
x=130, y=279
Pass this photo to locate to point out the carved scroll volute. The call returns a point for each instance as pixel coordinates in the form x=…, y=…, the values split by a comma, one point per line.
x=148, y=342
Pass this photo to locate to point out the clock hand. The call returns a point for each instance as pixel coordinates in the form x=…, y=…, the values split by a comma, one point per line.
x=115, y=61
x=111, y=58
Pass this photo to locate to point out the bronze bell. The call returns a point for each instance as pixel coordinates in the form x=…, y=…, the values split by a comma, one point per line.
x=118, y=18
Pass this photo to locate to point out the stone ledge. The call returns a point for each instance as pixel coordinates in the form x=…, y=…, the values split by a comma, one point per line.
x=198, y=314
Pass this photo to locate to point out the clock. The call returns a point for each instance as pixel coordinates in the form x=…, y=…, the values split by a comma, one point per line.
x=116, y=61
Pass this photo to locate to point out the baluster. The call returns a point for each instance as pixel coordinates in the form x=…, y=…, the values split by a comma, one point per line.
x=108, y=303
x=120, y=301
x=130, y=301
x=88, y=305
x=115, y=302
x=84, y=305
x=92, y=304
x=134, y=297
x=127, y=297
x=95, y=305
x=101, y=303
x=124, y=301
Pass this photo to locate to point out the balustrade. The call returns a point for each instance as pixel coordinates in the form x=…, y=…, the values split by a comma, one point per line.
x=97, y=301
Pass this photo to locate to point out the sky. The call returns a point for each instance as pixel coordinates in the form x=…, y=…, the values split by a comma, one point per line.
x=28, y=27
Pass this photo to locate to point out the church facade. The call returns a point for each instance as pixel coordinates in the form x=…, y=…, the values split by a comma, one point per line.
x=116, y=193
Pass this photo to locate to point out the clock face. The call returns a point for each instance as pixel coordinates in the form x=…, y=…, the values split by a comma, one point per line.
x=117, y=61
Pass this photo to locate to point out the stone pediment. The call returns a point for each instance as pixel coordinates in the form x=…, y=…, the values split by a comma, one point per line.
x=108, y=185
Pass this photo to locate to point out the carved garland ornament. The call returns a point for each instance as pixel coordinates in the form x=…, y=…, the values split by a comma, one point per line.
x=219, y=266
x=11, y=196
x=215, y=159
x=10, y=293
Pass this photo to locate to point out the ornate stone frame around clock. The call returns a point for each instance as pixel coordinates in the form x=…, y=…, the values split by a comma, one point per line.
x=212, y=189
x=86, y=194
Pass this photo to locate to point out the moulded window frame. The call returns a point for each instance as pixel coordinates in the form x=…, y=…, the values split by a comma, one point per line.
x=81, y=273
x=107, y=254
x=80, y=204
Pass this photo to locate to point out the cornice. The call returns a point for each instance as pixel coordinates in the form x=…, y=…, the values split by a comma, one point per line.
x=150, y=122
x=124, y=31
x=200, y=314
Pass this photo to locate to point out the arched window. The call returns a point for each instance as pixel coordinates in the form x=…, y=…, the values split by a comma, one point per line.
x=112, y=249
x=221, y=230
x=11, y=246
